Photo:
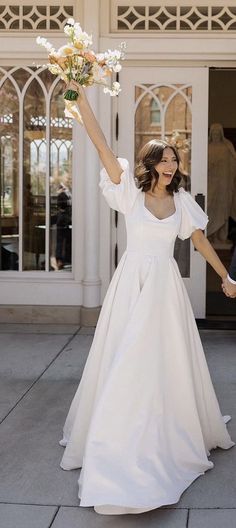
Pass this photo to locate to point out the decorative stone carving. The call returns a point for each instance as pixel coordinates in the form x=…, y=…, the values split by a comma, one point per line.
x=34, y=17
x=171, y=18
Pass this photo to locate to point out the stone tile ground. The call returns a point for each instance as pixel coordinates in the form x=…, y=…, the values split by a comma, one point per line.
x=40, y=367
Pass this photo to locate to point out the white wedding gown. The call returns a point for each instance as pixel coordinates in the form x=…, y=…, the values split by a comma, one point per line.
x=145, y=415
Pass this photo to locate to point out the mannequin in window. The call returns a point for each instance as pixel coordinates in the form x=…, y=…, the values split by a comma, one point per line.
x=221, y=184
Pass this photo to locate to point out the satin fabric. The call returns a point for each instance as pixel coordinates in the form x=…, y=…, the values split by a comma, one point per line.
x=145, y=415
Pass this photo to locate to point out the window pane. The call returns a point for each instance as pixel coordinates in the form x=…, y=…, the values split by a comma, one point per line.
x=155, y=112
x=9, y=223
x=34, y=178
x=46, y=171
x=60, y=183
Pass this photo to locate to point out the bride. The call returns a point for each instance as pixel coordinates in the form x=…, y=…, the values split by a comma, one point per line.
x=145, y=415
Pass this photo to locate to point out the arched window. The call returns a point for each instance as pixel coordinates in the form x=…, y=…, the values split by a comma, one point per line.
x=35, y=172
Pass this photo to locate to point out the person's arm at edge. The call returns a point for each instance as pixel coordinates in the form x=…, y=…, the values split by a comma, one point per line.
x=229, y=284
x=232, y=269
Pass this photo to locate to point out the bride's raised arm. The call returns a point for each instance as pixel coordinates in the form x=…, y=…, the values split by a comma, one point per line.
x=96, y=135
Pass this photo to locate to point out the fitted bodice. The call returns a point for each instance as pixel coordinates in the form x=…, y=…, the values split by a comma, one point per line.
x=149, y=235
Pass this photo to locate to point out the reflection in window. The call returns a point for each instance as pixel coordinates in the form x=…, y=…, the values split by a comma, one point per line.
x=7, y=176
x=60, y=184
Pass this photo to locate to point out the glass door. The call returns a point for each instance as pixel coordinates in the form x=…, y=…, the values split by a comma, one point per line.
x=170, y=104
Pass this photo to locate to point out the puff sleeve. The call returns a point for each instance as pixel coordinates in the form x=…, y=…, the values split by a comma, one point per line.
x=119, y=196
x=192, y=215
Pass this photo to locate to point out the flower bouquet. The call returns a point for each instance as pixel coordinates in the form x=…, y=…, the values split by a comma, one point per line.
x=76, y=61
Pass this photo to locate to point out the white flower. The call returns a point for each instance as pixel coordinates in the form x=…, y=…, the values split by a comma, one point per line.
x=54, y=69
x=117, y=68
x=68, y=30
x=100, y=57
x=116, y=85
x=114, y=90
x=65, y=50
x=98, y=73
x=41, y=41
x=64, y=77
x=84, y=38
x=44, y=42
x=79, y=60
x=77, y=28
x=70, y=21
x=49, y=47
x=112, y=55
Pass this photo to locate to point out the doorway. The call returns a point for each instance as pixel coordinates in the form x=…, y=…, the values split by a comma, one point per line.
x=221, y=184
x=168, y=103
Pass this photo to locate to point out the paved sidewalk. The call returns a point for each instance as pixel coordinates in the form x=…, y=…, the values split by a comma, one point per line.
x=40, y=367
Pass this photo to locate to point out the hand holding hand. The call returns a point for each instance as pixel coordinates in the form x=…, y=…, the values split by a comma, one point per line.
x=228, y=288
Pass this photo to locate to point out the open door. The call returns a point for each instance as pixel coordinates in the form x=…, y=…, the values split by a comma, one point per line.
x=171, y=104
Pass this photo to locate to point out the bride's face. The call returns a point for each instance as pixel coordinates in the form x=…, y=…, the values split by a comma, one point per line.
x=167, y=167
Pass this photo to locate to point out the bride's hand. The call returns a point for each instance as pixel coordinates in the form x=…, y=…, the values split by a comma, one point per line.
x=73, y=85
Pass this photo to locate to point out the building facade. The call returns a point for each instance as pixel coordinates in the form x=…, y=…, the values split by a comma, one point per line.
x=60, y=241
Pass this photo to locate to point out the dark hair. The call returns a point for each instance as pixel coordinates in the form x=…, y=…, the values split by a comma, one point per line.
x=150, y=155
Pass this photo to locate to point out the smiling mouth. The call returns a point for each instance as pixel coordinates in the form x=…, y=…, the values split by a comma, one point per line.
x=167, y=174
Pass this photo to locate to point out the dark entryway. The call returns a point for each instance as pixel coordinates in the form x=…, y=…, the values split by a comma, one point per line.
x=221, y=184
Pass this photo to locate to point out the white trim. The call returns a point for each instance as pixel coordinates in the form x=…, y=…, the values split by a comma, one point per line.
x=47, y=183
x=46, y=293
x=231, y=280
x=172, y=47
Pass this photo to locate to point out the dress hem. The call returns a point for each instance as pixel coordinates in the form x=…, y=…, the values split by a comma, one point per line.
x=87, y=504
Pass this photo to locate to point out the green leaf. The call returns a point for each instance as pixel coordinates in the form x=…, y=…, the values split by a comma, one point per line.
x=71, y=95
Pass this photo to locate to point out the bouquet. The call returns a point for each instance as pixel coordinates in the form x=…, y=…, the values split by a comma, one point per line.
x=76, y=61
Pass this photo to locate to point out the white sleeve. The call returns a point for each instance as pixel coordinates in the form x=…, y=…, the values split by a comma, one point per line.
x=119, y=196
x=192, y=215
x=231, y=280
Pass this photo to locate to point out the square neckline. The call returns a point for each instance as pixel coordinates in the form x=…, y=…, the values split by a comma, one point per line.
x=156, y=217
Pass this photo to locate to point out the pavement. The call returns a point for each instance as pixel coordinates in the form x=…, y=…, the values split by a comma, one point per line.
x=40, y=367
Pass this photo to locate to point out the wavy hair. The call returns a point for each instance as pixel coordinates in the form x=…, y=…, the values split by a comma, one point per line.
x=145, y=173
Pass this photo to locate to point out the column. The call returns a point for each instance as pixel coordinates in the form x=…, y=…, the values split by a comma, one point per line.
x=91, y=280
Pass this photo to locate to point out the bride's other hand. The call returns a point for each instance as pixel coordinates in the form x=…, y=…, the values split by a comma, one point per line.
x=228, y=288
